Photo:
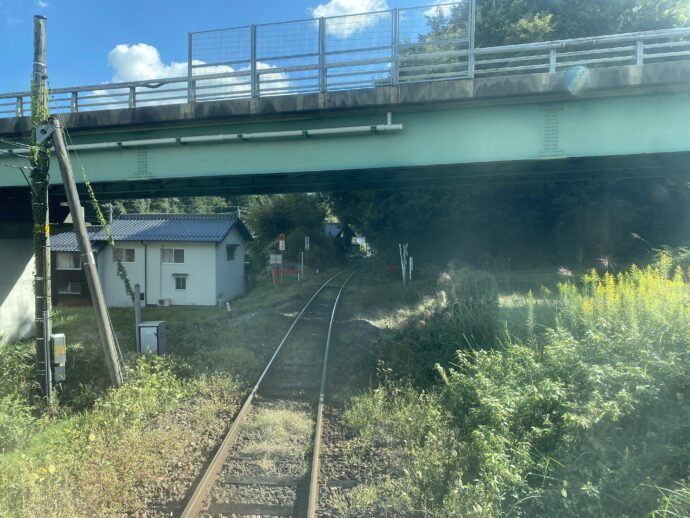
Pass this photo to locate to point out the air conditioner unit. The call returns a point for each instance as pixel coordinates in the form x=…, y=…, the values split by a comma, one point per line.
x=164, y=302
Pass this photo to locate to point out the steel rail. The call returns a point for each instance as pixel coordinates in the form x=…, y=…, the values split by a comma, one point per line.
x=316, y=451
x=195, y=502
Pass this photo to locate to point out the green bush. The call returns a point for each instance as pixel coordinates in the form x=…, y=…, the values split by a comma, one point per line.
x=17, y=422
x=463, y=313
x=104, y=462
x=17, y=392
x=588, y=418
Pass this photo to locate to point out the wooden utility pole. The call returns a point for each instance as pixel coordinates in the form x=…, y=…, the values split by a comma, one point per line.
x=40, y=179
x=110, y=348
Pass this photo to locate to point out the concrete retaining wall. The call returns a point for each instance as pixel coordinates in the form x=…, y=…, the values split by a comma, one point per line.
x=16, y=290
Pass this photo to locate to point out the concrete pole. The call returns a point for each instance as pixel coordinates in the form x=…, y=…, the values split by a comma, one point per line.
x=40, y=179
x=112, y=357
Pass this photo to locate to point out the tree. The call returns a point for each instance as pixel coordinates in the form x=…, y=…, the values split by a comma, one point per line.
x=296, y=216
x=181, y=205
x=502, y=22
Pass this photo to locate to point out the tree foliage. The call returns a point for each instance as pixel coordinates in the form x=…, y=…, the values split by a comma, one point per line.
x=297, y=216
x=502, y=22
x=180, y=205
x=522, y=225
x=537, y=223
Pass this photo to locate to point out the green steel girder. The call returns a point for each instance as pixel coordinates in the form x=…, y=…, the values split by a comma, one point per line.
x=610, y=135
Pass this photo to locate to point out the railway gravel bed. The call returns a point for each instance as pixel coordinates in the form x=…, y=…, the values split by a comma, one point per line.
x=264, y=469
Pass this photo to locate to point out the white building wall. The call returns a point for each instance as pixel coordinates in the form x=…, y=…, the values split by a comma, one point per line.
x=199, y=267
x=230, y=274
x=113, y=286
x=16, y=290
x=210, y=276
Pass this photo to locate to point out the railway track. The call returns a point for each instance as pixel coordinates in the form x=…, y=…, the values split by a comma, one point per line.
x=263, y=466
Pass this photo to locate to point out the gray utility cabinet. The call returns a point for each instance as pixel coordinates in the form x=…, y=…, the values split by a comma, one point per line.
x=152, y=337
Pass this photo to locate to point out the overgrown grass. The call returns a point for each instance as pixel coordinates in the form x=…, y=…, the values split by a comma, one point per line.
x=100, y=462
x=279, y=434
x=585, y=413
x=100, y=452
x=462, y=313
x=208, y=339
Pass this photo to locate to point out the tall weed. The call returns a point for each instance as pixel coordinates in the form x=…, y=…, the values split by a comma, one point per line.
x=102, y=462
x=588, y=417
x=463, y=313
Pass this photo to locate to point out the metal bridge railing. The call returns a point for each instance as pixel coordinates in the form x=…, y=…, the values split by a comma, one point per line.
x=355, y=51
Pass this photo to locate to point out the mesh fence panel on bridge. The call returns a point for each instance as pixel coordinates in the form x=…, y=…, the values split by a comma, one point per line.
x=434, y=42
x=227, y=52
x=358, y=50
x=334, y=53
x=292, y=49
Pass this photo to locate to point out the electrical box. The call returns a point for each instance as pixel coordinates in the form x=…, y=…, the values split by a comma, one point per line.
x=152, y=337
x=58, y=344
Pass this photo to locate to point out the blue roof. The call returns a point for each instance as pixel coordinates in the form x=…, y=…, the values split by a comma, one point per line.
x=67, y=241
x=211, y=228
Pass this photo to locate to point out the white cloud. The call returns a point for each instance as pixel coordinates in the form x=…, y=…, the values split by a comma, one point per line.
x=346, y=27
x=435, y=8
x=42, y=4
x=142, y=62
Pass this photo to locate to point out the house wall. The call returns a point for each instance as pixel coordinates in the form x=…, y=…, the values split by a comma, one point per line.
x=16, y=290
x=210, y=276
x=230, y=282
x=113, y=287
x=199, y=265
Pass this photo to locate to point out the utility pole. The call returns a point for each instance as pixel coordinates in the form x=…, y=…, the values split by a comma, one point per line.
x=110, y=348
x=40, y=179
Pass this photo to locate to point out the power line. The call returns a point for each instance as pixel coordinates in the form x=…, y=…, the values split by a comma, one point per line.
x=13, y=143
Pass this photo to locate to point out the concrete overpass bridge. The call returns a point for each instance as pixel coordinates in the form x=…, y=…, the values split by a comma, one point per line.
x=388, y=110
x=614, y=105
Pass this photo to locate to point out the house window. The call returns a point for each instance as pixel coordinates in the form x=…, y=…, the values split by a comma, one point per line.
x=70, y=288
x=124, y=255
x=172, y=255
x=68, y=261
x=230, y=252
x=180, y=282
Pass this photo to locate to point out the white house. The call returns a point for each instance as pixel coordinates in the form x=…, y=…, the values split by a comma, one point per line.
x=177, y=259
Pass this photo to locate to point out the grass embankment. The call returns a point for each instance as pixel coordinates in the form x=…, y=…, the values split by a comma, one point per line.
x=581, y=410
x=112, y=452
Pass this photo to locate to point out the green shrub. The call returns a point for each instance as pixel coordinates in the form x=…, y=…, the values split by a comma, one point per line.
x=18, y=389
x=675, y=502
x=105, y=462
x=464, y=313
x=17, y=422
x=17, y=370
x=588, y=418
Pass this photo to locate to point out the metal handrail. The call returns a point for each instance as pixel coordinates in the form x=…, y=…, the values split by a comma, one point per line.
x=392, y=63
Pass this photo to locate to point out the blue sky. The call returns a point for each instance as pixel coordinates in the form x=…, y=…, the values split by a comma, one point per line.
x=82, y=33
